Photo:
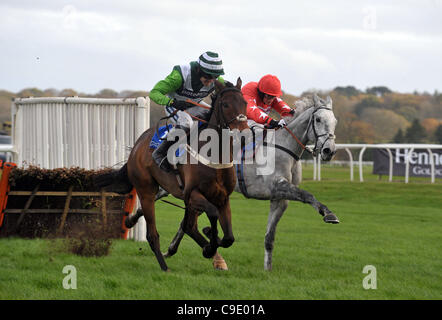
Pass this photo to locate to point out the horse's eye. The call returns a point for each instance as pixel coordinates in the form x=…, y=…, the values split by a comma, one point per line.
x=318, y=120
x=225, y=105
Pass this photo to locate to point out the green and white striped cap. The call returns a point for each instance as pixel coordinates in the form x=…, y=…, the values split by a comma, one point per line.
x=211, y=63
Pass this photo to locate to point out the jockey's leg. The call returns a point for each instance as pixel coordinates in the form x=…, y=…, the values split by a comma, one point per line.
x=160, y=155
x=183, y=121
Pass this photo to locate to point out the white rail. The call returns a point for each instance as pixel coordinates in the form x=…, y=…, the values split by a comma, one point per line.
x=388, y=147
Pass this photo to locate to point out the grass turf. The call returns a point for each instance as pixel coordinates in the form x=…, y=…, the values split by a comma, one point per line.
x=395, y=227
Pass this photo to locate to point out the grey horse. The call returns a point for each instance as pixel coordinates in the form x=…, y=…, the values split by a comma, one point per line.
x=313, y=121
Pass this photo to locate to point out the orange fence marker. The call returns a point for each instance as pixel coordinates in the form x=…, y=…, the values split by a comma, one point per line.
x=129, y=205
x=4, y=188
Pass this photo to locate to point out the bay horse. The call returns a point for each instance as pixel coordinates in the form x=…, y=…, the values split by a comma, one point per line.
x=205, y=189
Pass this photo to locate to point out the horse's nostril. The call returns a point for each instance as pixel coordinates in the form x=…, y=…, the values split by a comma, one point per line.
x=326, y=150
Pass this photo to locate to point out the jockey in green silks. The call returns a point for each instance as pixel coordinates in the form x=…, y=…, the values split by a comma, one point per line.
x=193, y=81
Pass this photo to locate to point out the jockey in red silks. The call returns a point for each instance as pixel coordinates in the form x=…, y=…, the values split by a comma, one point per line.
x=262, y=97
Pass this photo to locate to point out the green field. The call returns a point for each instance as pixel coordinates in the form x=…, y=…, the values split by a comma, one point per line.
x=395, y=227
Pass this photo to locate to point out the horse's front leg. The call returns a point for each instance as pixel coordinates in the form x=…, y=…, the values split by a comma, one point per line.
x=218, y=261
x=225, y=220
x=199, y=203
x=277, y=208
x=282, y=189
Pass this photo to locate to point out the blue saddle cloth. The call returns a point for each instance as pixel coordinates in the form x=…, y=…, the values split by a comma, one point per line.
x=160, y=136
x=162, y=132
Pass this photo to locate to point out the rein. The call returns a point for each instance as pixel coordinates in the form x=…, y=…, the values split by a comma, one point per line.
x=239, y=117
x=312, y=124
x=297, y=140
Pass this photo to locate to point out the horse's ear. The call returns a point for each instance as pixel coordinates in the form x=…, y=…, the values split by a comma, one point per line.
x=328, y=101
x=239, y=83
x=316, y=99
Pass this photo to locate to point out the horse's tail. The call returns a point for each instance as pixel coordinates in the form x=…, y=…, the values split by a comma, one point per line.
x=114, y=181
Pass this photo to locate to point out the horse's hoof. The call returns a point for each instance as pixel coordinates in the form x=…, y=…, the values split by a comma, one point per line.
x=208, y=252
x=219, y=263
x=331, y=218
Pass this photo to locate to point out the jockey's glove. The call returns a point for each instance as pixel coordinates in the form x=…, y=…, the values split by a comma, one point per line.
x=273, y=124
x=292, y=112
x=282, y=123
x=180, y=104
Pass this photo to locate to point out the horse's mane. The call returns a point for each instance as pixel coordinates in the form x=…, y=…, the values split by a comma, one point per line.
x=228, y=84
x=300, y=106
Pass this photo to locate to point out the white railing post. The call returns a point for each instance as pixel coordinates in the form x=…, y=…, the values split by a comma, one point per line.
x=407, y=164
x=319, y=167
x=430, y=153
x=314, y=168
x=390, y=167
x=141, y=124
x=361, y=154
x=350, y=156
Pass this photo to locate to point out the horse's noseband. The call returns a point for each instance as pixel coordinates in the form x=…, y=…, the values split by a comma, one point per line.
x=240, y=118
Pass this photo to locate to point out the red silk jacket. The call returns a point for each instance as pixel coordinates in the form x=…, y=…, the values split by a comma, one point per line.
x=257, y=110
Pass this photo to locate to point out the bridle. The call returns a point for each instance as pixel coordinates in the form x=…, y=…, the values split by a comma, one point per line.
x=218, y=108
x=311, y=123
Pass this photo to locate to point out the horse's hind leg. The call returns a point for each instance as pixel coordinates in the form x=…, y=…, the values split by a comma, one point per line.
x=133, y=219
x=148, y=207
x=277, y=208
x=190, y=227
x=173, y=247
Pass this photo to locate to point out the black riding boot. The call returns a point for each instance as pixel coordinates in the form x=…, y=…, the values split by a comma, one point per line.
x=160, y=155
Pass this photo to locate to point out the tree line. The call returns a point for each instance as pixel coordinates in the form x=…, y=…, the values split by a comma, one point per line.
x=374, y=115
x=379, y=115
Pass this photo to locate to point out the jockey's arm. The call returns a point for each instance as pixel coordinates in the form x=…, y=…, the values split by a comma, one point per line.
x=282, y=108
x=170, y=84
x=255, y=113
